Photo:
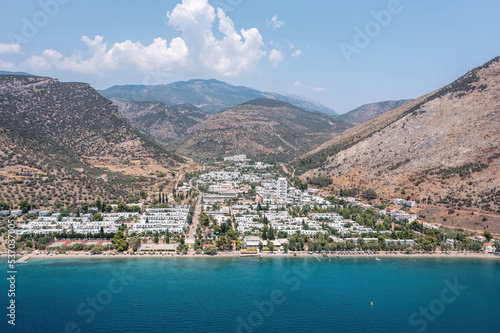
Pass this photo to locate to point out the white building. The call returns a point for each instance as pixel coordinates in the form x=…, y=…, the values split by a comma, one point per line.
x=236, y=158
x=282, y=189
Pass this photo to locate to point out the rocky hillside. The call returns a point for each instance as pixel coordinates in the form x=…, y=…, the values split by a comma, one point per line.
x=368, y=111
x=53, y=128
x=261, y=128
x=212, y=96
x=442, y=147
x=160, y=121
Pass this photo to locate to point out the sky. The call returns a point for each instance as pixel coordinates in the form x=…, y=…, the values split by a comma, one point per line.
x=340, y=53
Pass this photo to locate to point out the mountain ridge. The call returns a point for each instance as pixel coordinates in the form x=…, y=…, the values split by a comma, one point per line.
x=210, y=95
x=444, y=143
x=261, y=128
x=370, y=110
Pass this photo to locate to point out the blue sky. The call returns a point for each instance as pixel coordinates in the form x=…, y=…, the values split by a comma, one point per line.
x=340, y=53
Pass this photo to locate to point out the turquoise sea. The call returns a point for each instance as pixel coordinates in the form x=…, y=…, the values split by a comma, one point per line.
x=281, y=294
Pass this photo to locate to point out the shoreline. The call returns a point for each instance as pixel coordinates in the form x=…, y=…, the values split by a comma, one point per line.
x=263, y=255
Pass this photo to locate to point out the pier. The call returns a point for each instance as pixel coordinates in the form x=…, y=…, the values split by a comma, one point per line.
x=24, y=259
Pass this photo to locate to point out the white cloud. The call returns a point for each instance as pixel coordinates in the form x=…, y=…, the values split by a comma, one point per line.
x=10, y=48
x=5, y=65
x=197, y=50
x=120, y=55
x=300, y=84
x=275, y=23
x=234, y=54
x=296, y=53
x=275, y=57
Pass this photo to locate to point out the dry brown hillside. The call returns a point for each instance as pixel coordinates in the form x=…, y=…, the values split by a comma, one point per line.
x=443, y=147
x=262, y=129
x=64, y=144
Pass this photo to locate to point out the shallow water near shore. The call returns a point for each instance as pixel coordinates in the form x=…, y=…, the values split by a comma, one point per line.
x=280, y=294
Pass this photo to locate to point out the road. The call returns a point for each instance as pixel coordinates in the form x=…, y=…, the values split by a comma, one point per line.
x=286, y=169
x=196, y=215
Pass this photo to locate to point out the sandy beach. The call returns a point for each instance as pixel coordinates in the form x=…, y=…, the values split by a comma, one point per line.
x=304, y=254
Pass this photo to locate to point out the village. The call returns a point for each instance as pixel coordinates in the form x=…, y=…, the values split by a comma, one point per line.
x=248, y=208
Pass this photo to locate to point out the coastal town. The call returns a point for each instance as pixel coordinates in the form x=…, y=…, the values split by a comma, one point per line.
x=241, y=207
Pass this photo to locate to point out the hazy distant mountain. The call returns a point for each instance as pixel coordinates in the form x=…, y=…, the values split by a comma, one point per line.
x=265, y=129
x=368, y=111
x=444, y=146
x=212, y=96
x=15, y=73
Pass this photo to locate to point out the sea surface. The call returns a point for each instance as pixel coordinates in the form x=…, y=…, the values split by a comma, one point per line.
x=280, y=294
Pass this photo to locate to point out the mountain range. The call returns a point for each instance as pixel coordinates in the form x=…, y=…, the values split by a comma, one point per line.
x=15, y=73
x=211, y=96
x=442, y=147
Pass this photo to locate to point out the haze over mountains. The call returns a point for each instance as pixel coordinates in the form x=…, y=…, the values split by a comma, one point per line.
x=212, y=96
x=368, y=111
x=444, y=146
x=15, y=73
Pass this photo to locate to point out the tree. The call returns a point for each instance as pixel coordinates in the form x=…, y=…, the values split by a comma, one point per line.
x=264, y=232
x=155, y=239
x=221, y=243
x=496, y=244
x=488, y=235
x=25, y=206
x=285, y=247
x=232, y=234
x=96, y=249
x=370, y=194
x=270, y=246
x=65, y=212
x=282, y=234
x=271, y=234
x=120, y=241
x=4, y=206
x=204, y=220
x=210, y=250
x=97, y=217
x=261, y=246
